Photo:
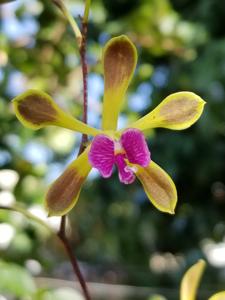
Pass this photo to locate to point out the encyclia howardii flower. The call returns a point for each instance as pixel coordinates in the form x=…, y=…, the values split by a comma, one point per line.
x=127, y=148
x=191, y=280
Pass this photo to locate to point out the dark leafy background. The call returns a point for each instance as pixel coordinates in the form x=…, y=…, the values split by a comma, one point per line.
x=118, y=235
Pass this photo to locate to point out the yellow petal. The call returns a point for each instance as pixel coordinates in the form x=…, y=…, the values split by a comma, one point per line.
x=159, y=187
x=191, y=280
x=64, y=192
x=177, y=111
x=119, y=62
x=36, y=109
x=218, y=296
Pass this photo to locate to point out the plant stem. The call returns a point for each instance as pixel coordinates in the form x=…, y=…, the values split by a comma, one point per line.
x=27, y=214
x=81, y=39
x=60, y=4
x=85, y=84
x=86, y=11
x=62, y=236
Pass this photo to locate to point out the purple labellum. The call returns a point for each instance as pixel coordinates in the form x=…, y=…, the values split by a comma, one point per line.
x=126, y=175
x=129, y=151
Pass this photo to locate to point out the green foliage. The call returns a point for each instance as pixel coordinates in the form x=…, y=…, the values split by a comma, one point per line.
x=60, y=294
x=156, y=297
x=5, y=1
x=16, y=281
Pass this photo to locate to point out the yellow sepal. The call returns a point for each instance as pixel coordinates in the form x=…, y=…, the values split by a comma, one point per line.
x=191, y=280
x=36, y=109
x=119, y=62
x=64, y=192
x=177, y=111
x=218, y=296
x=159, y=187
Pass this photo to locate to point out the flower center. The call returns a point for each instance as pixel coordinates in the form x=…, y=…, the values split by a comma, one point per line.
x=118, y=148
x=128, y=154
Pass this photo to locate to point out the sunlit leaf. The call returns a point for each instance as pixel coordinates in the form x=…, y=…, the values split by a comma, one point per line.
x=6, y=1
x=62, y=294
x=15, y=280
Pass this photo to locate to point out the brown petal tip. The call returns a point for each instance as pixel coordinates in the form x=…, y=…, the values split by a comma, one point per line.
x=35, y=109
x=64, y=193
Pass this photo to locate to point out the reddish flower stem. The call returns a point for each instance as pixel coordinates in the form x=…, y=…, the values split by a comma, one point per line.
x=85, y=84
x=84, y=140
x=73, y=260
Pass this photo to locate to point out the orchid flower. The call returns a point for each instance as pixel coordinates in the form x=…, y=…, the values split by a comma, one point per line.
x=127, y=148
x=191, y=280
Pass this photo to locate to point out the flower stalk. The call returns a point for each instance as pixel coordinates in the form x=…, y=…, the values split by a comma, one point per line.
x=73, y=260
x=86, y=11
x=81, y=37
x=85, y=84
x=61, y=236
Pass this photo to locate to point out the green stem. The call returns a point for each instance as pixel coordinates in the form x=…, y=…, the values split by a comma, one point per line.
x=70, y=19
x=86, y=11
x=61, y=235
x=28, y=215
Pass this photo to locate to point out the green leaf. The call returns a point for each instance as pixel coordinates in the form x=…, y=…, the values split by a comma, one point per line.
x=15, y=280
x=61, y=294
x=156, y=297
x=5, y=1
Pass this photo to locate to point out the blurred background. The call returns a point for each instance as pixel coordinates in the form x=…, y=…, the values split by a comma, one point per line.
x=126, y=248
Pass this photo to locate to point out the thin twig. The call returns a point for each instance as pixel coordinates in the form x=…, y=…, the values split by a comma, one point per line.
x=86, y=11
x=62, y=228
x=62, y=236
x=60, y=4
x=27, y=214
x=84, y=140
